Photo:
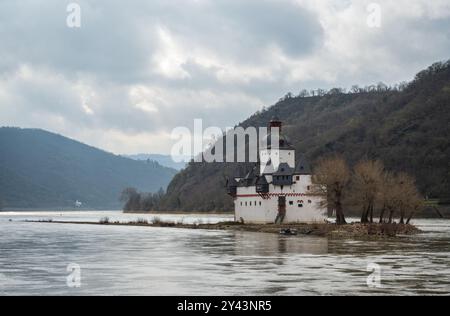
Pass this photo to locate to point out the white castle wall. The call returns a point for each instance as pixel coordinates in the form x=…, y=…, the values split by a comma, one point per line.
x=252, y=208
x=276, y=156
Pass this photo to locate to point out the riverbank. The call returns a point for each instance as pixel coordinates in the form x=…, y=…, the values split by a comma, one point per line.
x=354, y=230
x=178, y=213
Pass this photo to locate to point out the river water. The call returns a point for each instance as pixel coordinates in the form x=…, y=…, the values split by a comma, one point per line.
x=68, y=259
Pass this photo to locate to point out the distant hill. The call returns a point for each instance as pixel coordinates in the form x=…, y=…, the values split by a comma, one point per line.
x=163, y=160
x=39, y=169
x=408, y=128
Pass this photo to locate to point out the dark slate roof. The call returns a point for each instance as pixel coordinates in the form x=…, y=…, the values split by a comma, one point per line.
x=261, y=180
x=268, y=164
x=284, y=170
x=251, y=177
x=284, y=142
x=275, y=119
x=232, y=182
x=251, y=174
x=303, y=167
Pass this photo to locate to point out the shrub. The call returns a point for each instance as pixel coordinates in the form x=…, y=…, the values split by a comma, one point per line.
x=104, y=220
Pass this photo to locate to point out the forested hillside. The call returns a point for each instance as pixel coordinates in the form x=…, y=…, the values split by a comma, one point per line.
x=39, y=169
x=407, y=127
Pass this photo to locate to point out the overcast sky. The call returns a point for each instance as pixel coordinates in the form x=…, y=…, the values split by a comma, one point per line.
x=135, y=70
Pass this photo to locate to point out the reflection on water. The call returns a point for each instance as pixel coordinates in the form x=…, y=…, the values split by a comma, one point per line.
x=163, y=261
x=256, y=244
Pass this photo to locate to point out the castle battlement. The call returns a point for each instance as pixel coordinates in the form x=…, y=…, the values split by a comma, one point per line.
x=279, y=189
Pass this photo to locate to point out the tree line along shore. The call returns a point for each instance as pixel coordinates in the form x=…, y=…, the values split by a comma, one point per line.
x=377, y=194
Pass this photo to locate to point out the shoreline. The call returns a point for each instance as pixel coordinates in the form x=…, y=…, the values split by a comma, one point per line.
x=353, y=230
x=176, y=213
x=187, y=213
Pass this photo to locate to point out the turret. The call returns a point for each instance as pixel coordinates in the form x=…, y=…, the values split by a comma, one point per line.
x=275, y=122
x=272, y=156
x=232, y=187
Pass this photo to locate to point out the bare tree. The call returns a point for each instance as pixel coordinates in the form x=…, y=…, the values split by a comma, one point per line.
x=331, y=178
x=400, y=195
x=355, y=89
x=409, y=199
x=321, y=92
x=366, y=185
x=385, y=192
x=132, y=199
x=304, y=93
x=416, y=204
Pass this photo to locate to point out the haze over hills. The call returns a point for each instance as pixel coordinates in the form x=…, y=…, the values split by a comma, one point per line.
x=39, y=169
x=407, y=128
x=163, y=160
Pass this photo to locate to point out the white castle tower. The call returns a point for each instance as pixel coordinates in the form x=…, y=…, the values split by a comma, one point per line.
x=279, y=191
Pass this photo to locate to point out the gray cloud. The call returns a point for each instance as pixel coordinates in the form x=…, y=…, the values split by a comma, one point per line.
x=135, y=70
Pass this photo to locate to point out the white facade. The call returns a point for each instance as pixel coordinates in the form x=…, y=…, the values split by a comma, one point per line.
x=301, y=205
x=275, y=156
x=286, y=197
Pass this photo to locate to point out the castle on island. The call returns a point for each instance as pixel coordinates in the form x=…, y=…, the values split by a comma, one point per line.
x=278, y=190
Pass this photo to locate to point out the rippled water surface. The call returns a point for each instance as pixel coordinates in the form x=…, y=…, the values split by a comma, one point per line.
x=124, y=260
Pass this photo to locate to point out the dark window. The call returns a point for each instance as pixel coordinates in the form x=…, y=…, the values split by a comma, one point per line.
x=300, y=205
x=259, y=203
x=298, y=178
x=291, y=202
x=308, y=187
x=309, y=201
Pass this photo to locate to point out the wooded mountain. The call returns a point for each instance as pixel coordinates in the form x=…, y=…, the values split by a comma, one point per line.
x=39, y=169
x=406, y=127
x=163, y=160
